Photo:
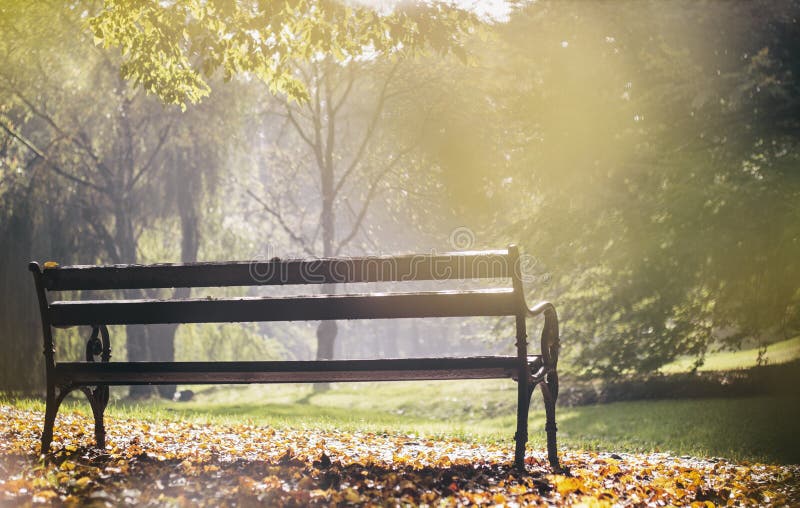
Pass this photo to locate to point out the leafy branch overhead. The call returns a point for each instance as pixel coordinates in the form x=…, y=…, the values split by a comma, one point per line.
x=172, y=48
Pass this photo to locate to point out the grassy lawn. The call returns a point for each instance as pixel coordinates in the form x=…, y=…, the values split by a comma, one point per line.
x=779, y=352
x=758, y=429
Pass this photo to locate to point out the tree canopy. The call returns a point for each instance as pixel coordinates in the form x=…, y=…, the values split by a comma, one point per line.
x=172, y=48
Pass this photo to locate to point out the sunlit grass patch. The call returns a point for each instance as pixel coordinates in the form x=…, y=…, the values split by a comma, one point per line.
x=754, y=428
x=778, y=352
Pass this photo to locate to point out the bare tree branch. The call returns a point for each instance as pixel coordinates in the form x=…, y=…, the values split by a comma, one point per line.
x=299, y=240
x=348, y=88
x=316, y=117
x=49, y=120
x=149, y=164
x=105, y=237
x=371, y=193
x=53, y=166
x=331, y=122
x=298, y=128
x=371, y=127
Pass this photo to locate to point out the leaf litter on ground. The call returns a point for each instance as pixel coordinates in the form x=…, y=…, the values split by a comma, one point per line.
x=180, y=463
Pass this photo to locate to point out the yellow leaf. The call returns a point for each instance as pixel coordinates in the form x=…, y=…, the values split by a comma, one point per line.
x=50, y=264
x=72, y=500
x=44, y=496
x=592, y=502
x=351, y=496
x=498, y=498
x=40, y=483
x=566, y=485
x=518, y=489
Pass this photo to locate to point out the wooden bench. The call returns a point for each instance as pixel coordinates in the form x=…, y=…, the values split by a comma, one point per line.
x=94, y=375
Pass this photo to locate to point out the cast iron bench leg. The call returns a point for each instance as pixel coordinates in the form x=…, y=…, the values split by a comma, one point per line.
x=550, y=394
x=54, y=398
x=98, y=399
x=521, y=436
x=524, y=393
x=98, y=344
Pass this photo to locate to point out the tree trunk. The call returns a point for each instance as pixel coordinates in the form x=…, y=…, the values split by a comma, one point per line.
x=326, y=339
x=136, y=343
x=389, y=339
x=163, y=337
x=20, y=332
x=327, y=330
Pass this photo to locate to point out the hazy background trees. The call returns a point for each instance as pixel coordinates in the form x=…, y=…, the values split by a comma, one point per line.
x=645, y=153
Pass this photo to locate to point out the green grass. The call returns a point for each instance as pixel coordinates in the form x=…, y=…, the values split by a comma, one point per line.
x=779, y=352
x=756, y=429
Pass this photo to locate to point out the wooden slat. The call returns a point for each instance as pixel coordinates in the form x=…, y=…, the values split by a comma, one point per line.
x=130, y=373
x=457, y=265
x=484, y=302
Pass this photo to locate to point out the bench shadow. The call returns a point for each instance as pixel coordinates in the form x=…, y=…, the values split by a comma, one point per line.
x=306, y=399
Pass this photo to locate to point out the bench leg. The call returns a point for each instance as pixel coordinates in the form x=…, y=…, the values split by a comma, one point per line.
x=98, y=399
x=550, y=394
x=524, y=393
x=55, y=396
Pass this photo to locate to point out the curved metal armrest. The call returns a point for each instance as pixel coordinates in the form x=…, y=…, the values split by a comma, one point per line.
x=550, y=340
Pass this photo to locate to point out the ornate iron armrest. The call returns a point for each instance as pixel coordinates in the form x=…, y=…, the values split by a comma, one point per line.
x=550, y=340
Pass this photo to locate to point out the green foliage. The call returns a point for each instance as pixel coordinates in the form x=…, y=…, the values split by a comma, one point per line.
x=645, y=153
x=699, y=215
x=170, y=48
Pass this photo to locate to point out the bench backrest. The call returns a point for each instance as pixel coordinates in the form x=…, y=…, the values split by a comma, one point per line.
x=413, y=267
x=496, y=264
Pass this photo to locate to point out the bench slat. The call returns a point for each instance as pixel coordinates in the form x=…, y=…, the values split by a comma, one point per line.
x=484, y=302
x=457, y=265
x=128, y=373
